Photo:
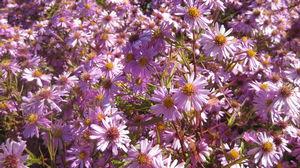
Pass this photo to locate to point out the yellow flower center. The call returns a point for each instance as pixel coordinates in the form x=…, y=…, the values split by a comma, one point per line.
x=100, y=117
x=234, y=154
x=32, y=118
x=168, y=102
x=3, y=106
x=188, y=89
x=143, y=159
x=109, y=66
x=104, y=36
x=193, y=12
x=99, y=97
x=264, y=86
x=82, y=155
x=87, y=122
x=37, y=73
x=220, y=40
x=160, y=127
x=267, y=147
x=251, y=53
x=244, y=39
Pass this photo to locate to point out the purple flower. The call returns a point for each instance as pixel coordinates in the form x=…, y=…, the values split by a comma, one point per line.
x=192, y=93
x=112, y=135
x=79, y=156
x=194, y=14
x=217, y=43
x=12, y=154
x=265, y=154
x=144, y=156
x=166, y=106
x=33, y=122
x=37, y=75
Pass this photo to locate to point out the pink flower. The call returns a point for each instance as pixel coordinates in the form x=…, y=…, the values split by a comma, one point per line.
x=217, y=43
x=36, y=75
x=192, y=94
x=265, y=154
x=166, y=105
x=144, y=156
x=194, y=14
x=11, y=154
x=112, y=135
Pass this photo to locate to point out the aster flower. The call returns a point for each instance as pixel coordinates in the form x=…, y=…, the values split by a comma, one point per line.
x=231, y=155
x=281, y=145
x=60, y=133
x=37, y=75
x=167, y=163
x=194, y=14
x=215, y=4
x=33, y=122
x=288, y=98
x=112, y=135
x=200, y=150
x=217, y=43
x=45, y=97
x=12, y=154
x=192, y=94
x=265, y=154
x=144, y=156
x=293, y=73
x=77, y=37
x=110, y=67
x=66, y=81
x=79, y=156
x=249, y=59
x=166, y=106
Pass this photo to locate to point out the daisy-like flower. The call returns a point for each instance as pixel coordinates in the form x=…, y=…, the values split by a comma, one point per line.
x=45, y=97
x=215, y=4
x=166, y=106
x=288, y=99
x=231, y=155
x=110, y=67
x=144, y=156
x=249, y=57
x=66, y=81
x=37, y=75
x=194, y=14
x=265, y=154
x=167, y=163
x=293, y=73
x=109, y=20
x=77, y=38
x=192, y=94
x=200, y=150
x=264, y=105
x=217, y=43
x=79, y=156
x=12, y=154
x=33, y=122
x=281, y=144
x=112, y=135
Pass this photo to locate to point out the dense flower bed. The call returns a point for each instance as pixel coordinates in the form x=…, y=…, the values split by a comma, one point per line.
x=150, y=83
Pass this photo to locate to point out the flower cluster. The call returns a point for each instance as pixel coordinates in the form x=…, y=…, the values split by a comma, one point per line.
x=150, y=83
